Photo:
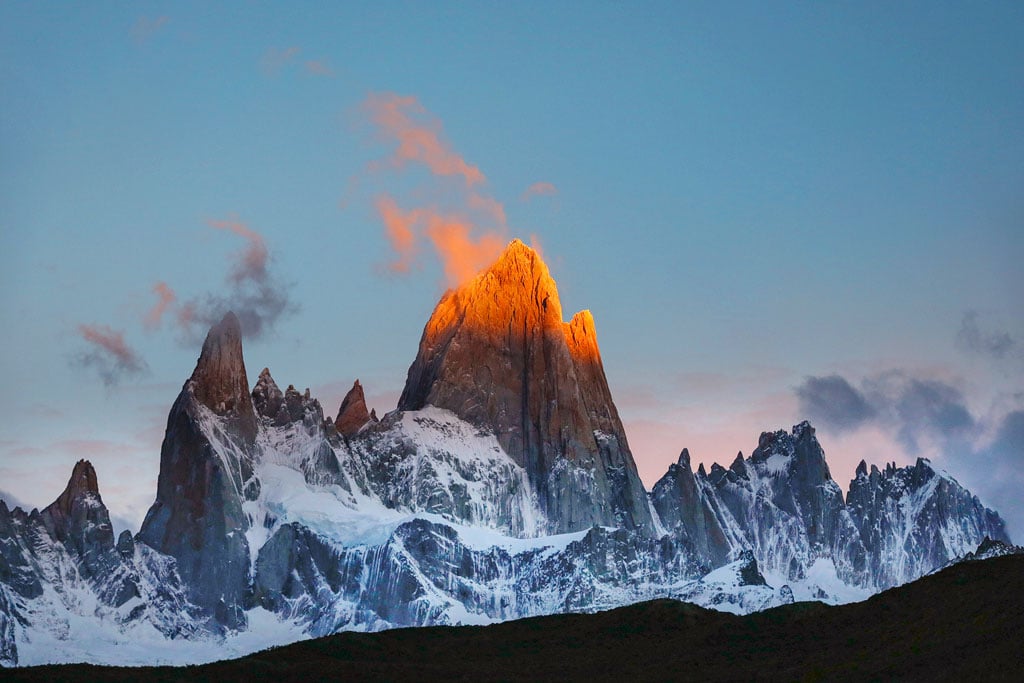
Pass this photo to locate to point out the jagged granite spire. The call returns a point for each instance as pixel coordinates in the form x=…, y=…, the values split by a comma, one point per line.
x=497, y=353
x=197, y=517
x=80, y=520
x=681, y=507
x=219, y=381
x=352, y=414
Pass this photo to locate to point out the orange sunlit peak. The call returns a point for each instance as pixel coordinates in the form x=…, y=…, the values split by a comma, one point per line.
x=581, y=336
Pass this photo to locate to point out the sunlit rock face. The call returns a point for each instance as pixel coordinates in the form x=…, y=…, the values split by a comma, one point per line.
x=497, y=353
x=353, y=415
x=206, y=472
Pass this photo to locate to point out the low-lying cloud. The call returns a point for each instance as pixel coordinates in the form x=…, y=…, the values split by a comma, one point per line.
x=835, y=402
x=929, y=417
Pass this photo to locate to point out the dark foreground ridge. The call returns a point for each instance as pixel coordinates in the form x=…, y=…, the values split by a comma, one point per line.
x=962, y=623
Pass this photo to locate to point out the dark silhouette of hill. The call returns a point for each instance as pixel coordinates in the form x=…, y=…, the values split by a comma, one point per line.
x=963, y=623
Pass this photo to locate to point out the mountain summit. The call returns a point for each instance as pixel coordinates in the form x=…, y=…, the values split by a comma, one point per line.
x=497, y=353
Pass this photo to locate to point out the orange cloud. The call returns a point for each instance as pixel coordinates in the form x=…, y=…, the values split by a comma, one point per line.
x=418, y=141
x=461, y=254
x=252, y=261
x=488, y=206
x=398, y=226
x=539, y=190
x=165, y=297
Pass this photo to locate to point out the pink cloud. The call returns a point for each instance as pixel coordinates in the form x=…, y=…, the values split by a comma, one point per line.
x=251, y=263
x=539, y=190
x=109, y=354
x=165, y=297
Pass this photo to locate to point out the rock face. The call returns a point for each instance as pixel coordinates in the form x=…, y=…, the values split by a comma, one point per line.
x=497, y=354
x=682, y=507
x=352, y=415
x=62, y=573
x=79, y=520
x=914, y=519
x=789, y=507
x=206, y=468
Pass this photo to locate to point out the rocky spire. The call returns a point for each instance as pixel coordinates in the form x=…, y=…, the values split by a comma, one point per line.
x=497, y=353
x=352, y=414
x=80, y=520
x=197, y=516
x=219, y=381
x=79, y=504
x=267, y=397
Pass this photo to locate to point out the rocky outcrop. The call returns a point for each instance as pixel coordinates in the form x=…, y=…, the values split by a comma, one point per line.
x=782, y=503
x=79, y=520
x=914, y=519
x=206, y=472
x=682, y=507
x=497, y=353
x=353, y=415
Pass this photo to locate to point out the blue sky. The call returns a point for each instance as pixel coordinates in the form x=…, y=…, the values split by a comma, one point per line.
x=748, y=196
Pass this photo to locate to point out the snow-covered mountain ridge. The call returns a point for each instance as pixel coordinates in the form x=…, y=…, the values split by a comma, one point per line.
x=504, y=487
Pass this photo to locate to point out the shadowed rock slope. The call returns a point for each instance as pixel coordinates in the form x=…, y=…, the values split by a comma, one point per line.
x=206, y=472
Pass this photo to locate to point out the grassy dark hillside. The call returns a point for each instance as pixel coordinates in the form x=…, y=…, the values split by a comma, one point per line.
x=965, y=623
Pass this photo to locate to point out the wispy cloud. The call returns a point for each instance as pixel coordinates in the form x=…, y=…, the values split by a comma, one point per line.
x=466, y=227
x=256, y=295
x=398, y=227
x=145, y=27
x=165, y=298
x=901, y=414
x=540, y=189
x=403, y=120
x=275, y=59
x=833, y=401
x=251, y=262
x=916, y=409
x=997, y=344
x=318, y=67
x=108, y=354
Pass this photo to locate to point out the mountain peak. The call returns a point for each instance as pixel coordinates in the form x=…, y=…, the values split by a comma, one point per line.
x=352, y=414
x=78, y=507
x=82, y=481
x=498, y=354
x=219, y=381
